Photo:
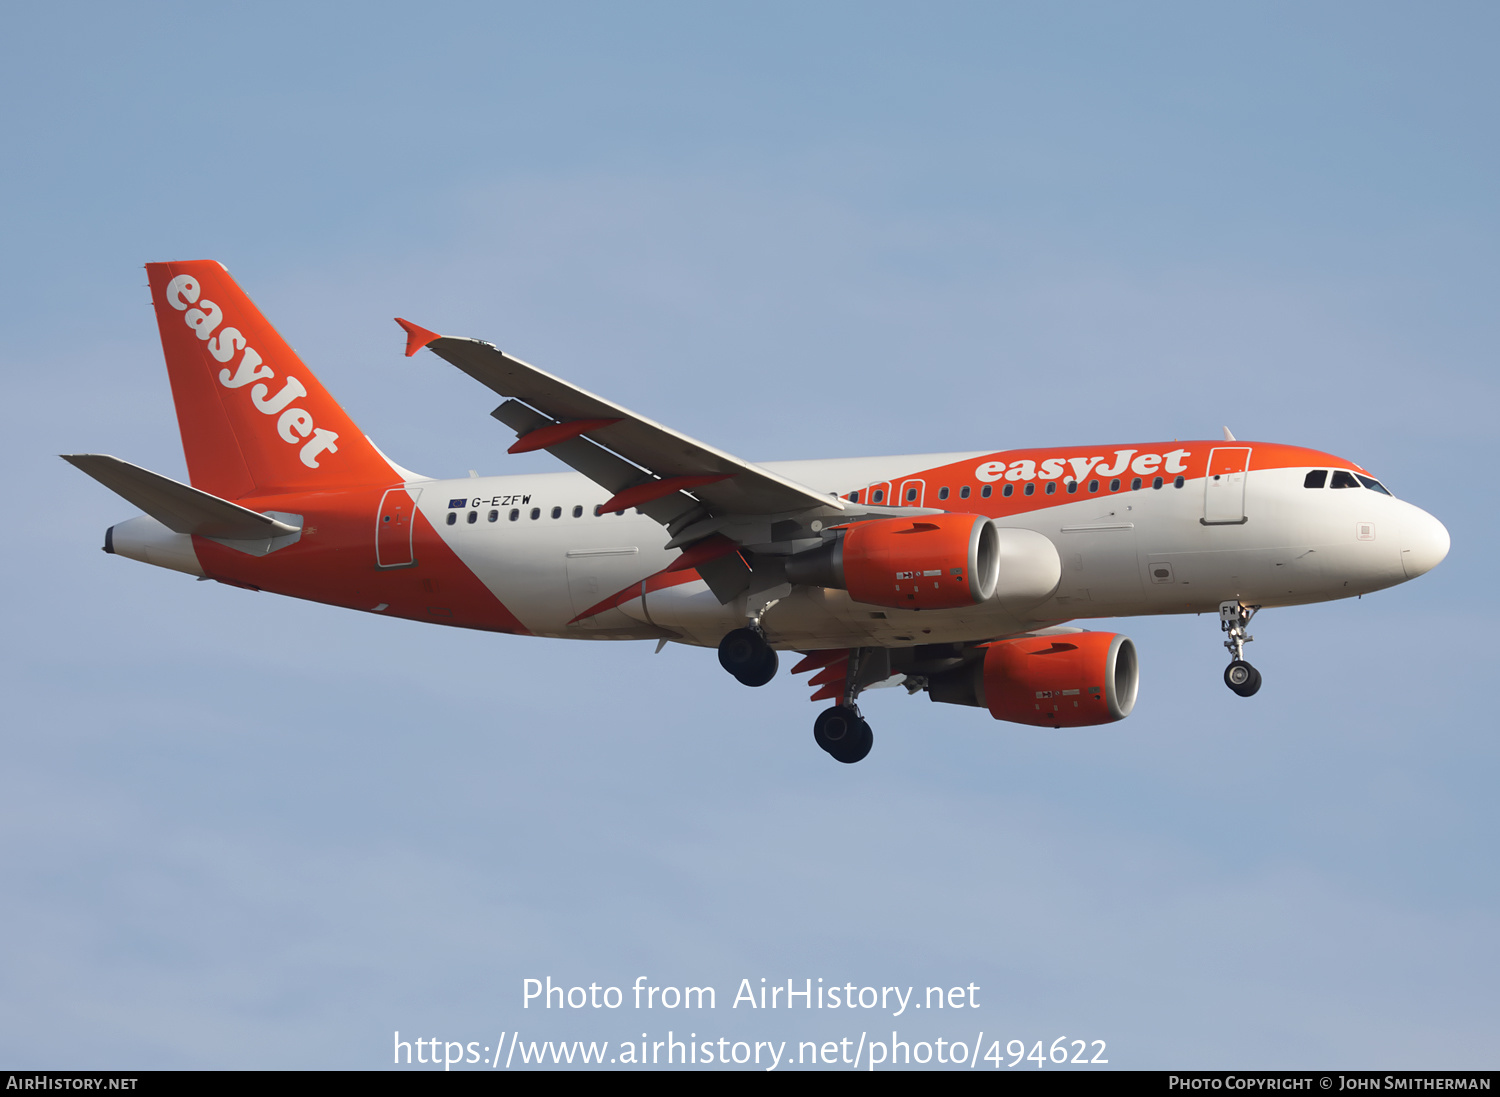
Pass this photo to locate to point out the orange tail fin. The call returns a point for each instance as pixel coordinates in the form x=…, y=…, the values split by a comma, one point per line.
x=254, y=419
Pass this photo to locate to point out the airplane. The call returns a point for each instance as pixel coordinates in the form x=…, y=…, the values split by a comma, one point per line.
x=953, y=574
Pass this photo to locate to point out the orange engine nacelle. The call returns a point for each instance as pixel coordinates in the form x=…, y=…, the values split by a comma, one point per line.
x=1067, y=681
x=937, y=561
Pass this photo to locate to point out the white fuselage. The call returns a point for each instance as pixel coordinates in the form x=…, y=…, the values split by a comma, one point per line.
x=537, y=545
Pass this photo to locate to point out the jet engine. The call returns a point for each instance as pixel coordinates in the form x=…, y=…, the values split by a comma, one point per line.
x=939, y=561
x=1067, y=680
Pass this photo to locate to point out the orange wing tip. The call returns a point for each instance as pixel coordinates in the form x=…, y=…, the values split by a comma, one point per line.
x=416, y=337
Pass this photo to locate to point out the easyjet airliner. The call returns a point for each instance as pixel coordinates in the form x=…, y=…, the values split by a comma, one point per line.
x=952, y=574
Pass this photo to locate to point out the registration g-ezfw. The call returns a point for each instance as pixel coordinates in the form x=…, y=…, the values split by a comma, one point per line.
x=953, y=574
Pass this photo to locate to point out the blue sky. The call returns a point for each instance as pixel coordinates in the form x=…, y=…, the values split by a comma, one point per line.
x=238, y=830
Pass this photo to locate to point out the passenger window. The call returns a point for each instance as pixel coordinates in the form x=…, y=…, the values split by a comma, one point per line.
x=911, y=495
x=963, y=492
x=1030, y=489
x=942, y=493
x=879, y=495
x=1157, y=483
x=1317, y=478
x=494, y=516
x=1372, y=484
x=985, y=491
x=1342, y=479
x=1135, y=485
x=473, y=517
x=598, y=510
x=1114, y=485
x=1051, y=487
x=1093, y=485
x=854, y=497
x=514, y=514
x=452, y=517
x=1007, y=490
x=1177, y=483
x=1072, y=487
x=577, y=512
x=557, y=512
x=536, y=512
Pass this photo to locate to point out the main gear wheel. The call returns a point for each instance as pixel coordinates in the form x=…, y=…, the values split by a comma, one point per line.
x=843, y=733
x=745, y=654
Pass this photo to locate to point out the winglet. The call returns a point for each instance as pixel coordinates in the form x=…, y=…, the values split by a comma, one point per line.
x=416, y=338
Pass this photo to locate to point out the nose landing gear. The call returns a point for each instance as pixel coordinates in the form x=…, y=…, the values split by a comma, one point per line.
x=1239, y=676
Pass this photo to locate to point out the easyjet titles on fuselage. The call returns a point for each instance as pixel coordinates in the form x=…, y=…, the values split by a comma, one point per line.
x=1053, y=468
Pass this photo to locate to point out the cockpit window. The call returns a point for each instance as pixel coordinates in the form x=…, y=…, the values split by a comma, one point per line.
x=1317, y=478
x=1342, y=479
x=1373, y=484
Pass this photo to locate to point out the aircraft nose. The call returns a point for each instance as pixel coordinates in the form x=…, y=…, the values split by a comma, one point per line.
x=1424, y=544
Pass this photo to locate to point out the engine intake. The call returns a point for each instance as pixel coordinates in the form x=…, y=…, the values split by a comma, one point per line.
x=940, y=561
x=1064, y=680
x=1067, y=681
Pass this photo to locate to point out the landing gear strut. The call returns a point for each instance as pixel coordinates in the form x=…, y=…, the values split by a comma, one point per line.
x=745, y=654
x=1239, y=676
x=841, y=730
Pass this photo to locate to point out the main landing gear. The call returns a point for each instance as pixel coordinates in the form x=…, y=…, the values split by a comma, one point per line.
x=745, y=654
x=841, y=730
x=1239, y=676
x=843, y=733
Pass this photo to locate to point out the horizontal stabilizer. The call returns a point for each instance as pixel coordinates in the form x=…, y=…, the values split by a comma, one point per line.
x=180, y=508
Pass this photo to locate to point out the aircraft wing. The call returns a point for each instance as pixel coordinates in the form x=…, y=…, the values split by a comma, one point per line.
x=593, y=435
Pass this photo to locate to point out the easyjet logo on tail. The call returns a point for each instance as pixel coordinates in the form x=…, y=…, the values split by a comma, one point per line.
x=294, y=425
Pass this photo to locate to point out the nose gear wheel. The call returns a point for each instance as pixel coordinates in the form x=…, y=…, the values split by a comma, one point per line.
x=1239, y=676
